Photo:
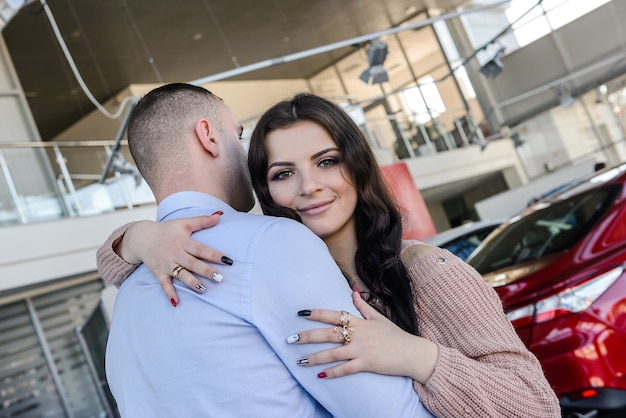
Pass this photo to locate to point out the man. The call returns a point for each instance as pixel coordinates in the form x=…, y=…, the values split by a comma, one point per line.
x=223, y=353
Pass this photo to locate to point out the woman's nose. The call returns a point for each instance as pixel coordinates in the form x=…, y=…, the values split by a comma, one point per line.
x=309, y=184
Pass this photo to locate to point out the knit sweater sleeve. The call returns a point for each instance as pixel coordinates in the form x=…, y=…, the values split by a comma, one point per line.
x=483, y=369
x=114, y=269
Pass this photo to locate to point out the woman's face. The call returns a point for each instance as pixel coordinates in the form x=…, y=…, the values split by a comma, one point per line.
x=306, y=173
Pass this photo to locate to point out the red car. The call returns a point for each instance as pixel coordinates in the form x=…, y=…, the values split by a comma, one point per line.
x=560, y=270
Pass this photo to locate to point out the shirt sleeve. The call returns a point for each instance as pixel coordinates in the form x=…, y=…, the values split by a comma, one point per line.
x=483, y=369
x=293, y=270
x=113, y=268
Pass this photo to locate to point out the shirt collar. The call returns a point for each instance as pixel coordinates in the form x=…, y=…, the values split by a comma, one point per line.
x=187, y=200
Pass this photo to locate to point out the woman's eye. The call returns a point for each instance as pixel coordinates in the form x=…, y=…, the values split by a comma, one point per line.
x=280, y=175
x=327, y=162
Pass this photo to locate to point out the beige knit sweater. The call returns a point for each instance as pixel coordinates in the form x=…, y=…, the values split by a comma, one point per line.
x=483, y=369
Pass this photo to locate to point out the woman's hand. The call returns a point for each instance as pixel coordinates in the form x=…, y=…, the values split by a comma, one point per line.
x=163, y=246
x=376, y=345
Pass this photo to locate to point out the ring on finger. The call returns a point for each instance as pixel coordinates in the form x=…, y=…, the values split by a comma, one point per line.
x=177, y=271
x=345, y=332
x=344, y=319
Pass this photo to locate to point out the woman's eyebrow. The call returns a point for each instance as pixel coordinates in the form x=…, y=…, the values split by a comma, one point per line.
x=324, y=151
x=314, y=156
x=281, y=164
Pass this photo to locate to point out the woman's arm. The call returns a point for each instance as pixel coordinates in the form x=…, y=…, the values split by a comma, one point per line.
x=483, y=369
x=480, y=366
x=162, y=246
x=112, y=267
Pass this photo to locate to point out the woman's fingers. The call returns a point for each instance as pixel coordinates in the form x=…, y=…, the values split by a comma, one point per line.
x=326, y=316
x=187, y=278
x=191, y=281
x=350, y=365
x=373, y=344
x=363, y=307
x=319, y=335
x=188, y=253
x=195, y=256
x=199, y=267
x=344, y=369
x=166, y=284
x=169, y=252
x=326, y=356
x=198, y=223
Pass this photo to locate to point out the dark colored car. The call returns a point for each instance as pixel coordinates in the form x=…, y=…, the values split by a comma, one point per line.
x=560, y=269
x=464, y=239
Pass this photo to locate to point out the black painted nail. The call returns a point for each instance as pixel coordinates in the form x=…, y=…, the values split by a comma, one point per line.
x=305, y=312
x=200, y=288
x=303, y=361
x=227, y=260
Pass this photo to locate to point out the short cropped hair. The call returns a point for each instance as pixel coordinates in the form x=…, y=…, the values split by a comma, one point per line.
x=160, y=123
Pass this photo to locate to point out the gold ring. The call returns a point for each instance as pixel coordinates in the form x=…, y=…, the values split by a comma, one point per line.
x=345, y=333
x=176, y=271
x=344, y=319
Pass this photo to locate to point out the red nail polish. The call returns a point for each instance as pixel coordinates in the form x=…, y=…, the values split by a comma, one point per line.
x=354, y=289
x=217, y=212
x=321, y=375
x=173, y=301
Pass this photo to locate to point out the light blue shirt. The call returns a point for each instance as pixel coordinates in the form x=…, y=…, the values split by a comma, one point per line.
x=224, y=353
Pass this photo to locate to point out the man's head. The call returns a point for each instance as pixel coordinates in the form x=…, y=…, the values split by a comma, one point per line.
x=183, y=137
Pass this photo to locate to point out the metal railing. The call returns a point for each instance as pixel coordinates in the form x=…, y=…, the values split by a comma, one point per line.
x=41, y=181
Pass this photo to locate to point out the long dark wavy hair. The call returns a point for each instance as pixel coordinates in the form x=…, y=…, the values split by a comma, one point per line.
x=377, y=217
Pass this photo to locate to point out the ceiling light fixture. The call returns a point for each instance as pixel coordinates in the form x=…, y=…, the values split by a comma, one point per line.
x=376, y=55
x=493, y=67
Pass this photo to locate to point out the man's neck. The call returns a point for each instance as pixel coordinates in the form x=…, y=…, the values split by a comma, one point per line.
x=190, y=185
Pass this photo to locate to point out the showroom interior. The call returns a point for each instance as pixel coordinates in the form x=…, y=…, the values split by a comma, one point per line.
x=485, y=105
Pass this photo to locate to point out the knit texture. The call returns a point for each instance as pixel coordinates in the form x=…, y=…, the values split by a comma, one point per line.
x=114, y=269
x=483, y=369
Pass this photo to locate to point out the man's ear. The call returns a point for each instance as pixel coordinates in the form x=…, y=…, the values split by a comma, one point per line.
x=207, y=136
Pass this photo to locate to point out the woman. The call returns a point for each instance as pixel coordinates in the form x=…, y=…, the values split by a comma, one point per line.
x=431, y=316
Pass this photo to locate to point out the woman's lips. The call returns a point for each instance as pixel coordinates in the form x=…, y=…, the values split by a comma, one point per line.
x=315, y=208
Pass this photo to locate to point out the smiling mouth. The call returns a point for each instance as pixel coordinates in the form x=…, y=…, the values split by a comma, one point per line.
x=315, y=209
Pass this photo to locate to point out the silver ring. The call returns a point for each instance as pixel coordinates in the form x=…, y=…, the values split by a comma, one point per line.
x=176, y=271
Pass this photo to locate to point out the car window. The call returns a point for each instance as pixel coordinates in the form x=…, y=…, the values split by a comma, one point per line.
x=555, y=227
x=462, y=247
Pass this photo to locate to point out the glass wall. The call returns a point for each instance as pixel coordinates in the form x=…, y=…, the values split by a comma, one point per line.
x=44, y=370
x=81, y=186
